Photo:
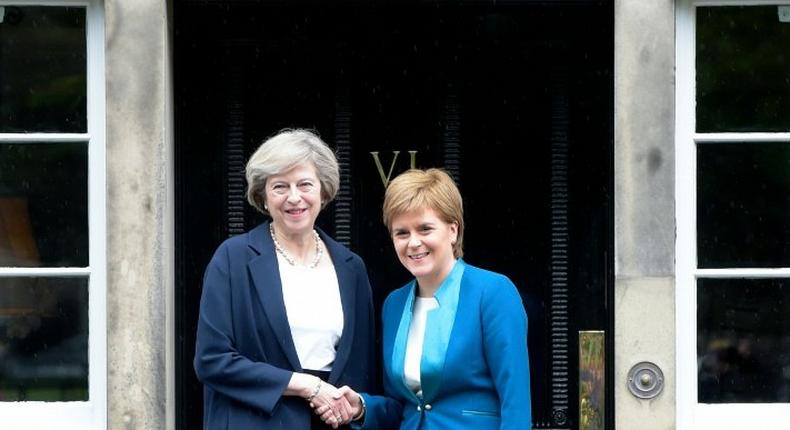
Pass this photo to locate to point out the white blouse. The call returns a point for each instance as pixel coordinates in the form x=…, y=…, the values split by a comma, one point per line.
x=411, y=370
x=315, y=312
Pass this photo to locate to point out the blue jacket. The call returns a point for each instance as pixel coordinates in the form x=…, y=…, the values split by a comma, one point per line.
x=245, y=355
x=474, y=367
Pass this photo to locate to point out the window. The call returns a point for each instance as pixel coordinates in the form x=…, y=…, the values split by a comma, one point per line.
x=52, y=215
x=733, y=214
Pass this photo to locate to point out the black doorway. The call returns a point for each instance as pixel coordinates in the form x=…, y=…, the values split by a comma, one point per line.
x=514, y=99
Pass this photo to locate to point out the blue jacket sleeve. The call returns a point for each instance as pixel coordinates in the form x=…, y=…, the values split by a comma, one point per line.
x=505, y=345
x=218, y=363
x=383, y=413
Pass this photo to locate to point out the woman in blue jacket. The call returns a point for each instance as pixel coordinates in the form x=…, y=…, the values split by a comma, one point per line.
x=284, y=308
x=454, y=338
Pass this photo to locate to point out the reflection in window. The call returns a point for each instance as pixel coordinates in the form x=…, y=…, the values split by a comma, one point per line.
x=743, y=340
x=43, y=339
x=743, y=205
x=43, y=69
x=743, y=69
x=43, y=204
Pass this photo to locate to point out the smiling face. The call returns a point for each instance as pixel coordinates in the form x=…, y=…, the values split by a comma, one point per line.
x=424, y=244
x=293, y=199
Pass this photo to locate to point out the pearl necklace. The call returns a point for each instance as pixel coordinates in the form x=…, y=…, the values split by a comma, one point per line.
x=319, y=251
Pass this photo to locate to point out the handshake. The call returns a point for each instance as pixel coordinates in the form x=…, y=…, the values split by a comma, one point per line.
x=336, y=406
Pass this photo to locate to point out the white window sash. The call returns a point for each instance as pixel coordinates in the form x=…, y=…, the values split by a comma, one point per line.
x=90, y=414
x=733, y=2
x=61, y=272
x=44, y=137
x=60, y=3
x=692, y=415
x=743, y=273
x=701, y=138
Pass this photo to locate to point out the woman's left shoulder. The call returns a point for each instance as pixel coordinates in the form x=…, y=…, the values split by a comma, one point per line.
x=354, y=259
x=341, y=255
x=490, y=286
x=484, y=277
x=339, y=252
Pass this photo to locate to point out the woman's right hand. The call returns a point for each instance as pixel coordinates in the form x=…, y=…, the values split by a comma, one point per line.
x=337, y=410
x=351, y=397
x=323, y=395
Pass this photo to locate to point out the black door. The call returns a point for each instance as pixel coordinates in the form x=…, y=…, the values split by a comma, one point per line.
x=514, y=99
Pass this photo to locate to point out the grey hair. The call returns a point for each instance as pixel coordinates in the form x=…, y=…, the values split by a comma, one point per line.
x=283, y=151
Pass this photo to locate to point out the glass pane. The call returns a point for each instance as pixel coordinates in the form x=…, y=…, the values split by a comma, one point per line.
x=743, y=340
x=43, y=339
x=42, y=69
x=743, y=205
x=44, y=204
x=743, y=69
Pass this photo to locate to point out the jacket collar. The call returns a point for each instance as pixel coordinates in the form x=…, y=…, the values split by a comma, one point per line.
x=260, y=241
x=438, y=330
x=265, y=274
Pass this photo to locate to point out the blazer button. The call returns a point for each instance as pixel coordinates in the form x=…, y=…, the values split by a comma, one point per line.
x=419, y=408
x=428, y=407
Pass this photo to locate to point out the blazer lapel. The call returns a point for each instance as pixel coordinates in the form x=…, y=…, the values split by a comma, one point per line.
x=346, y=279
x=398, y=361
x=438, y=330
x=265, y=274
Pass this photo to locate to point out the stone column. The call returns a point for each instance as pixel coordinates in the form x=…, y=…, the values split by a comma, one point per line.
x=139, y=215
x=644, y=207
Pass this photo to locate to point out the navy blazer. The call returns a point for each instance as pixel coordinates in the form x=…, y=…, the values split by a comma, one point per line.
x=475, y=364
x=245, y=355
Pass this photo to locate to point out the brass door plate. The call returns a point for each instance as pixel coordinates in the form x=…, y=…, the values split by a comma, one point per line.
x=592, y=379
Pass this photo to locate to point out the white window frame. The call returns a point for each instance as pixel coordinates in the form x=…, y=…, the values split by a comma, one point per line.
x=90, y=414
x=692, y=415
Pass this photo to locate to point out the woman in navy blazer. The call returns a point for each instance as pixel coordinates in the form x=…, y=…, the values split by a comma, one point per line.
x=455, y=338
x=284, y=307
